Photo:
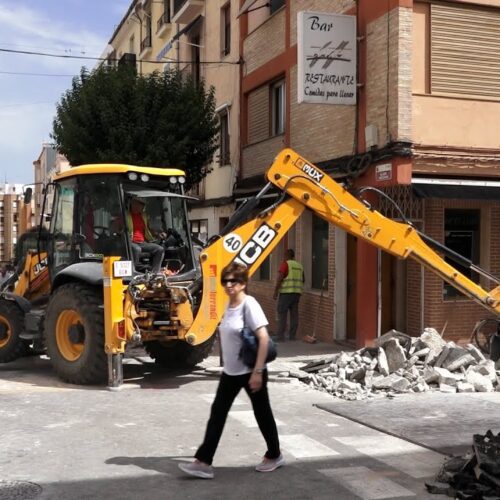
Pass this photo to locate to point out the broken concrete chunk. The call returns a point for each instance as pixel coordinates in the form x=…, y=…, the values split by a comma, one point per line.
x=431, y=338
x=358, y=374
x=446, y=377
x=393, y=382
x=343, y=360
x=403, y=338
x=465, y=387
x=395, y=354
x=347, y=385
x=486, y=368
x=480, y=382
x=369, y=379
x=461, y=362
x=383, y=366
x=447, y=388
x=478, y=355
x=455, y=357
x=300, y=374
x=443, y=355
x=420, y=387
x=430, y=374
x=422, y=352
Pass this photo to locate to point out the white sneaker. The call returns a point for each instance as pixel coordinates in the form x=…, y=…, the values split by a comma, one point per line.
x=270, y=464
x=198, y=469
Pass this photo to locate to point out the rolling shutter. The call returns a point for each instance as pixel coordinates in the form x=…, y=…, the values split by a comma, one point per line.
x=258, y=115
x=465, y=50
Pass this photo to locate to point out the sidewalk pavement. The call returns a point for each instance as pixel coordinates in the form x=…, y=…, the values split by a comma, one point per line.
x=292, y=355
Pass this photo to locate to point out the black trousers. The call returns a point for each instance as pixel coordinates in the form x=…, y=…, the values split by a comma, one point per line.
x=229, y=387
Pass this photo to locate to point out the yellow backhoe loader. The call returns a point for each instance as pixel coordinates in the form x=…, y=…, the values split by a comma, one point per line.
x=79, y=293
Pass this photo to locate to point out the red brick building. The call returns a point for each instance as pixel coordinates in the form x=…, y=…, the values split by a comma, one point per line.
x=424, y=129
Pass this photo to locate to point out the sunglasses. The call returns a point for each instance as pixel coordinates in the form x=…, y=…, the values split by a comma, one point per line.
x=231, y=281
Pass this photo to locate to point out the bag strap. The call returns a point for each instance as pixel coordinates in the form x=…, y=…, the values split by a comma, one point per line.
x=245, y=313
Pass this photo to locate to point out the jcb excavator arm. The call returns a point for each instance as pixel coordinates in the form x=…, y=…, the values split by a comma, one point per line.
x=305, y=185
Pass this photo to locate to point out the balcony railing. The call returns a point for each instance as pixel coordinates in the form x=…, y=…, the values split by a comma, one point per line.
x=146, y=43
x=162, y=21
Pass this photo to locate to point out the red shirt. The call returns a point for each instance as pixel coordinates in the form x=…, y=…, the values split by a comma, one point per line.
x=139, y=228
x=284, y=268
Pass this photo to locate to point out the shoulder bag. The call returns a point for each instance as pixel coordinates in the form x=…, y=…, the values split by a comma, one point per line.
x=250, y=345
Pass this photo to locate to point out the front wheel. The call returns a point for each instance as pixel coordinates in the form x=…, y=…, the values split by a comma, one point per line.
x=74, y=334
x=11, y=326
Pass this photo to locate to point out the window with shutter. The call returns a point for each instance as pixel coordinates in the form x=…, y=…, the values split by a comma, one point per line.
x=465, y=50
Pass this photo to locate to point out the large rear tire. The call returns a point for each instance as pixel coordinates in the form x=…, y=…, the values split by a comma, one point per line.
x=74, y=334
x=179, y=354
x=11, y=326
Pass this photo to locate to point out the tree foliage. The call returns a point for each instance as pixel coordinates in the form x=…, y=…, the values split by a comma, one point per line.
x=113, y=115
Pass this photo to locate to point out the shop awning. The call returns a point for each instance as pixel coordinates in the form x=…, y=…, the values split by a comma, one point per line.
x=471, y=189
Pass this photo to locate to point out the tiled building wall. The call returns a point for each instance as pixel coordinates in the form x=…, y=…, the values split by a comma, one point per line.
x=389, y=95
x=257, y=157
x=318, y=131
x=265, y=43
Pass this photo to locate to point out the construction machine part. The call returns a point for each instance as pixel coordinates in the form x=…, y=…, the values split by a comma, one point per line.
x=74, y=334
x=179, y=354
x=12, y=346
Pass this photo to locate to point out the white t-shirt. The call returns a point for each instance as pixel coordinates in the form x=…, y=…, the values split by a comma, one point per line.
x=230, y=327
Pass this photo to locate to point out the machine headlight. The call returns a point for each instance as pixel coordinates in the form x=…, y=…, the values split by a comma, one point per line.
x=182, y=180
x=132, y=176
x=173, y=180
x=144, y=177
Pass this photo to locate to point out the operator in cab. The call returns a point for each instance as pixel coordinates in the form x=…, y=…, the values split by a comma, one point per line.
x=142, y=238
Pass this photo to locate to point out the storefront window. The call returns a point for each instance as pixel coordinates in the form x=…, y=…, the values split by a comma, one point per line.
x=319, y=254
x=462, y=236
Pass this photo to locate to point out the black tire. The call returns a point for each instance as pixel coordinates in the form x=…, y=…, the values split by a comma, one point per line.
x=179, y=354
x=11, y=323
x=483, y=332
x=83, y=362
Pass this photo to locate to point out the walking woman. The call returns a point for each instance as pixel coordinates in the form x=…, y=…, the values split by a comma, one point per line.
x=237, y=375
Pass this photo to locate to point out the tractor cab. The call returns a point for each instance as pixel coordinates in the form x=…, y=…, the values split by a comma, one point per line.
x=91, y=218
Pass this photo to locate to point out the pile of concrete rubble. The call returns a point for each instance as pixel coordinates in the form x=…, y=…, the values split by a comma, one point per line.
x=475, y=475
x=401, y=364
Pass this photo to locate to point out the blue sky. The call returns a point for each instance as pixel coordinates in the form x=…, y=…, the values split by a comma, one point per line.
x=27, y=103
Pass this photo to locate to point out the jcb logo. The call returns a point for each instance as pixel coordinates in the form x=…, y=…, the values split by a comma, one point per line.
x=253, y=248
x=40, y=266
x=312, y=172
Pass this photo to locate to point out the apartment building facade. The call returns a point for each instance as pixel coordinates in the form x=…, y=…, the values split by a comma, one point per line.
x=49, y=163
x=202, y=40
x=422, y=130
x=15, y=218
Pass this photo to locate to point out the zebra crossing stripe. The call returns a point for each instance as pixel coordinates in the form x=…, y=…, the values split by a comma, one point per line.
x=247, y=418
x=301, y=446
x=366, y=484
x=406, y=457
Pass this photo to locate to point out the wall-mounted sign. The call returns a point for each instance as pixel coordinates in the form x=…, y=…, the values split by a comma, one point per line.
x=383, y=172
x=326, y=58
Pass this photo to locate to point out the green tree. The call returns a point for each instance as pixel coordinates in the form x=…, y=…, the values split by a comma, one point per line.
x=113, y=115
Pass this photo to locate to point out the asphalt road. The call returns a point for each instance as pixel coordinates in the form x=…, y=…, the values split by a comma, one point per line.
x=63, y=442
